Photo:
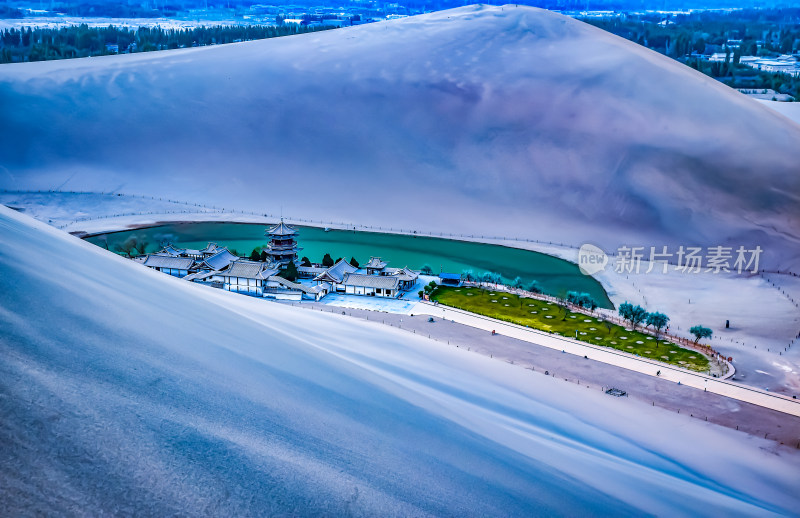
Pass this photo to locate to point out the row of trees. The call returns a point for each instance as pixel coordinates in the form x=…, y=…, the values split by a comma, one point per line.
x=637, y=315
x=496, y=278
x=583, y=300
x=40, y=43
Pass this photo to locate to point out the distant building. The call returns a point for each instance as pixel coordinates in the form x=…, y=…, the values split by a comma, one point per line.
x=334, y=276
x=219, y=261
x=282, y=248
x=218, y=267
x=309, y=272
x=335, y=22
x=245, y=277
x=375, y=266
x=375, y=279
x=406, y=277
x=785, y=64
x=211, y=249
x=171, y=265
x=376, y=285
x=181, y=252
x=282, y=289
x=450, y=279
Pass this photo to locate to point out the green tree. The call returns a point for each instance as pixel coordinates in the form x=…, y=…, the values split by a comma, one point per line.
x=327, y=261
x=633, y=314
x=306, y=262
x=587, y=301
x=430, y=288
x=491, y=277
x=290, y=272
x=426, y=270
x=700, y=332
x=128, y=247
x=657, y=321
x=535, y=287
x=255, y=255
x=353, y=262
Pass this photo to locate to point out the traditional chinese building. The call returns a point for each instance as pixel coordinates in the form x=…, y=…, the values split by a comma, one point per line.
x=282, y=248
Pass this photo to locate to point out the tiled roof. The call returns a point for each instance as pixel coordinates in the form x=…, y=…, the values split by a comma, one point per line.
x=406, y=274
x=168, y=261
x=171, y=250
x=376, y=263
x=336, y=272
x=199, y=276
x=387, y=282
x=281, y=229
x=249, y=270
x=296, y=286
x=212, y=248
x=178, y=252
x=219, y=260
x=313, y=270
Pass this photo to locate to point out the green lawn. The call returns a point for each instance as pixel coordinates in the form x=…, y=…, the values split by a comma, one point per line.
x=548, y=316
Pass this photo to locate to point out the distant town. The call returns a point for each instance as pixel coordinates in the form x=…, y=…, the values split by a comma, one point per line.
x=753, y=50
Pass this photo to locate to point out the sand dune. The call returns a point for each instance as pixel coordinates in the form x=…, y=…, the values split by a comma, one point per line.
x=491, y=120
x=124, y=391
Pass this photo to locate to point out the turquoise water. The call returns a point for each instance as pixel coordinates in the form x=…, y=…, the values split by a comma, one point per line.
x=556, y=276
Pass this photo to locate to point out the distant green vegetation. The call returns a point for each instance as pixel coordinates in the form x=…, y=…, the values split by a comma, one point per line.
x=687, y=37
x=78, y=41
x=553, y=318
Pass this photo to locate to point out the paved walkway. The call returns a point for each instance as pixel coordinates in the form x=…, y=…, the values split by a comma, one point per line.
x=642, y=387
x=729, y=389
x=387, y=305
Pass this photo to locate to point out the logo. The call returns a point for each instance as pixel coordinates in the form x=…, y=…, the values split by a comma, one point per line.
x=591, y=259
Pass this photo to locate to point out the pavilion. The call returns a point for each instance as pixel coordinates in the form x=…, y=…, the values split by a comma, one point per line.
x=282, y=248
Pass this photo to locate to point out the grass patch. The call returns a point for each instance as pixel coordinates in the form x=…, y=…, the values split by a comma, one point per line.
x=550, y=317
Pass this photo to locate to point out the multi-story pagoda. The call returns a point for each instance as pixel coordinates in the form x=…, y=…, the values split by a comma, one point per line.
x=282, y=248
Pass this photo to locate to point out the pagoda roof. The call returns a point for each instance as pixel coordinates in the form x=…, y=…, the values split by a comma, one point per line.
x=170, y=249
x=376, y=263
x=336, y=272
x=220, y=260
x=281, y=229
x=212, y=248
x=249, y=270
x=406, y=274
